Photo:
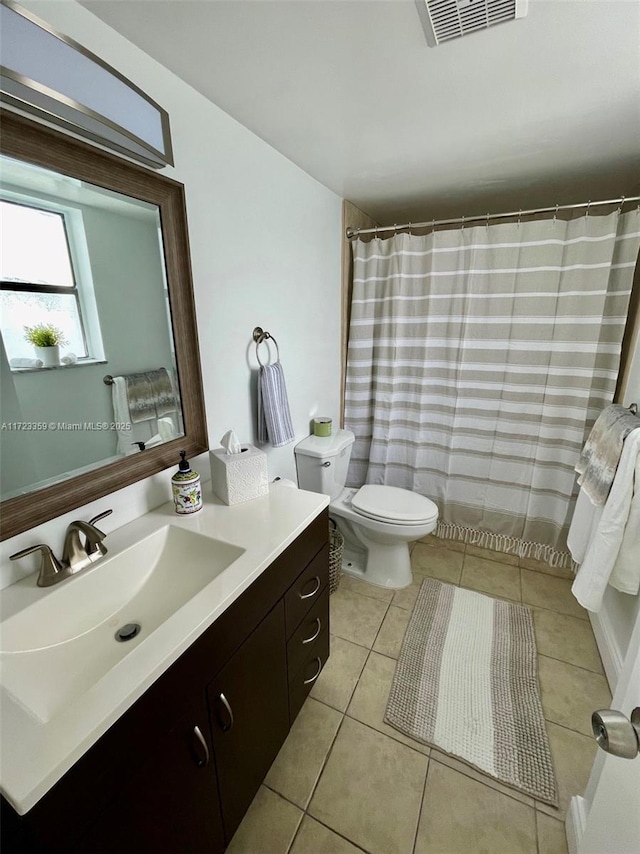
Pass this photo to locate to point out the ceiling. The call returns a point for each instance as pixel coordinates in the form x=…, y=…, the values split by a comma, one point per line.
x=537, y=111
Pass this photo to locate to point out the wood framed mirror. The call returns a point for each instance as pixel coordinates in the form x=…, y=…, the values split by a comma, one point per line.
x=28, y=504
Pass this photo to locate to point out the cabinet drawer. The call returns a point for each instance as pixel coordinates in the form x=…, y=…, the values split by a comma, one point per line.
x=305, y=678
x=305, y=591
x=307, y=633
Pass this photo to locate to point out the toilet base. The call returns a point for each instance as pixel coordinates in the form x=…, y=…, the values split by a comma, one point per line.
x=381, y=565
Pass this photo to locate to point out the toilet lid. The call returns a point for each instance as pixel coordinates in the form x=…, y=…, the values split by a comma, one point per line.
x=391, y=504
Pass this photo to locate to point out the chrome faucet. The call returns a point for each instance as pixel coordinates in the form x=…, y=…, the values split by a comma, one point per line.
x=76, y=555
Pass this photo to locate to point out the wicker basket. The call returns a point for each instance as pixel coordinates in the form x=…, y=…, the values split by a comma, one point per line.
x=336, y=548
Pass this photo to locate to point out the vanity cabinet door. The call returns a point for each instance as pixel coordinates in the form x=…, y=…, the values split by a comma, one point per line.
x=249, y=708
x=170, y=805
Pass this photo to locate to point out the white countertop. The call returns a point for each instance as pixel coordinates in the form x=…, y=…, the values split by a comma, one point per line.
x=35, y=754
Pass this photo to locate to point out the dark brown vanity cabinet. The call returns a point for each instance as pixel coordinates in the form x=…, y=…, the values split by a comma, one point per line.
x=157, y=805
x=176, y=773
x=249, y=708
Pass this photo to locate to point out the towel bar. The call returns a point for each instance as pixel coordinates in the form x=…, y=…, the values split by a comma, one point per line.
x=259, y=336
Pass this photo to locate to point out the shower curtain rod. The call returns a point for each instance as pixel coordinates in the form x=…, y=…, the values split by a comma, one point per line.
x=355, y=232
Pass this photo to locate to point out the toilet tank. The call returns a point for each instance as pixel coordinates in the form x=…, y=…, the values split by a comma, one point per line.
x=322, y=462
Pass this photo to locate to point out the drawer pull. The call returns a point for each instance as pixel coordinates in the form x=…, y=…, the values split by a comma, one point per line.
x=315, y=635
x=316, y=578
x=316, y=674
x=201, y=762
x=225, y=727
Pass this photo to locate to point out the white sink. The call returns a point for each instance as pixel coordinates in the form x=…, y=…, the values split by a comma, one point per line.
x=58, y=646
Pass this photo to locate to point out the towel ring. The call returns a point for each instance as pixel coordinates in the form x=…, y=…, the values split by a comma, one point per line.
x=260, y=336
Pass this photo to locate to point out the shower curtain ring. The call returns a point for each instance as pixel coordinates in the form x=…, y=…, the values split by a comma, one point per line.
x=555, y=216
x=462, y=226
x=487, y=222
x=588, y=206
x=395, y=229
x=519, y=217
x=409, y=228
x=621, y=204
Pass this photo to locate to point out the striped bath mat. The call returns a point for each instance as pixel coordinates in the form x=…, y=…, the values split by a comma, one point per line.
x=466, y=682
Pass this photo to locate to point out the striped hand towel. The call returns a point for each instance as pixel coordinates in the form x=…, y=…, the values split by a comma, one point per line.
x=600, y=456
x=274, y=416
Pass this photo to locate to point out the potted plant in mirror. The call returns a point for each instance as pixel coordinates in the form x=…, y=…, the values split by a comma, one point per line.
x=46, y=339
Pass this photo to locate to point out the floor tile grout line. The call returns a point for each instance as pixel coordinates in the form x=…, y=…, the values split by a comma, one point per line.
x=384, y=617
x=388, y=735
x=305, y=809
x=554, y=611
x=535, y=824
x=297, y=833
x=511, y=795
x=341, y=835
x=286, y=800
x=422, y=799
x=324, y=765
x=568, y=728
x=349, y=640
x=367, y=595
x=571, y=664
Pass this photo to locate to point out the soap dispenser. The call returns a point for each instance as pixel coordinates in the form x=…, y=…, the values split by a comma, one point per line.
x=186, y=488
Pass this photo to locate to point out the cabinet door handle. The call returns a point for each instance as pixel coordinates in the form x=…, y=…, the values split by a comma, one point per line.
x=226, y=727
x=202, y=762
x=316, y=674
x=315, y=635
x=316, y=578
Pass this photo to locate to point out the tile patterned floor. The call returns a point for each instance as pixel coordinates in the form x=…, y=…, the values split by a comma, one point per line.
x=346, y=782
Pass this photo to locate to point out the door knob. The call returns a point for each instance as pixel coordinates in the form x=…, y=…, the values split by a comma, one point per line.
x=615, y=733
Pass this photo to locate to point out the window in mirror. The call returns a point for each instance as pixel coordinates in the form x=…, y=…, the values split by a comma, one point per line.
x=49, y=286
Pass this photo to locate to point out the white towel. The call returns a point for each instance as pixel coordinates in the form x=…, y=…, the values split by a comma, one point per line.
x=122, y=417
x=626, y=572
x=584, y=524
x=274, y=416
x=26, y=363
x=618, y=525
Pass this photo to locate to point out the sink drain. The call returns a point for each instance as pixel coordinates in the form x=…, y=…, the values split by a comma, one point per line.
x=128, y=632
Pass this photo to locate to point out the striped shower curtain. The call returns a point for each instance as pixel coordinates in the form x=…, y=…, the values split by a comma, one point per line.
x=479, y=359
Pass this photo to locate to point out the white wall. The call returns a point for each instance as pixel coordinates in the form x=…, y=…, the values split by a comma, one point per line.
x=265, y=250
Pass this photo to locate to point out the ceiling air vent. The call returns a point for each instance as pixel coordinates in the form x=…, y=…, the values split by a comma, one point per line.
x=444, y=20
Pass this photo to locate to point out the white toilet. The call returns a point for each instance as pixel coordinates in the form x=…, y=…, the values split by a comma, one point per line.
x=377, y=522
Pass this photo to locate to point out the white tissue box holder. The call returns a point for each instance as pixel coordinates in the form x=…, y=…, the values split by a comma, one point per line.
x=239, y=477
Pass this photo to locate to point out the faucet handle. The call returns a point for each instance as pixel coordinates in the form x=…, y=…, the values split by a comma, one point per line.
x=49, y=567
x=97, y=518
x=94, y=546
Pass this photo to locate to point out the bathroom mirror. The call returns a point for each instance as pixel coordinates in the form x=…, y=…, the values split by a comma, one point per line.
x=117, y=284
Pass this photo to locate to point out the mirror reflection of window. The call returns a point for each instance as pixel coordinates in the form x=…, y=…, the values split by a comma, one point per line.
x=39, y=281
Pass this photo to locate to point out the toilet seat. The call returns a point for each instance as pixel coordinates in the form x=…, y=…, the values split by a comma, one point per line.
x=394, y=505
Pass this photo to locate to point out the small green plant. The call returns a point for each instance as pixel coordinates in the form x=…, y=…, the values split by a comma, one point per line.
x=44, y=335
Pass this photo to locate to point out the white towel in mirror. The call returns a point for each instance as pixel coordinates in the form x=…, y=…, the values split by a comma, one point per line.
x=122, y=417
